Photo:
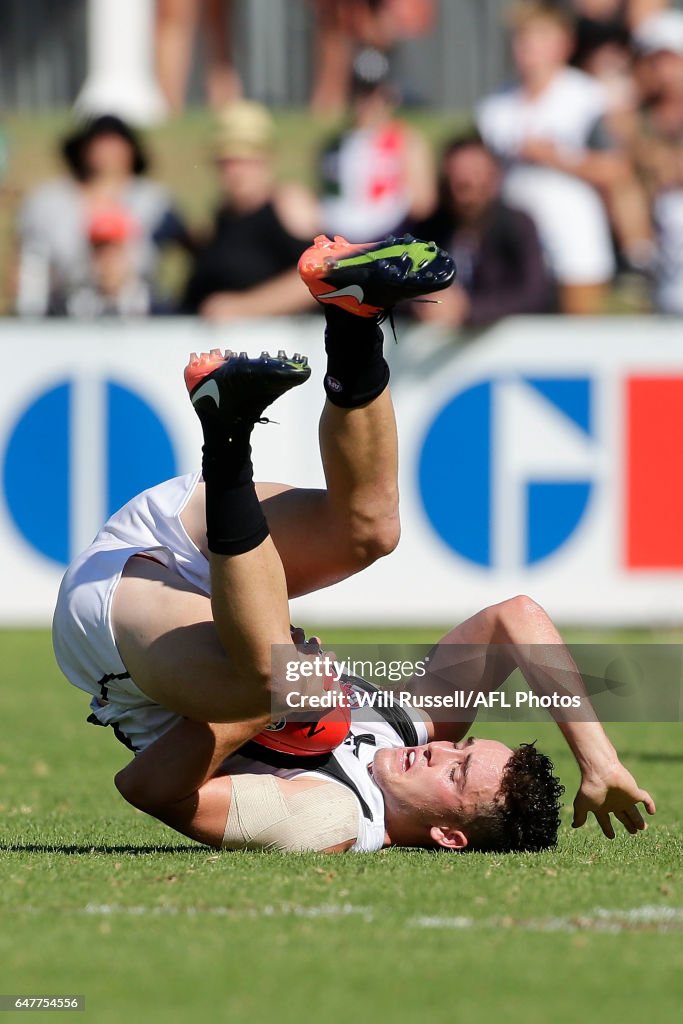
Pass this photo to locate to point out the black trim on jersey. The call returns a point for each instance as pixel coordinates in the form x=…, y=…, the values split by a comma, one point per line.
x=326, y=764
x=94, y=720
x=397, y=717
x=118, y=732
x=335, y=771
x=107, y=678
x=122, y=738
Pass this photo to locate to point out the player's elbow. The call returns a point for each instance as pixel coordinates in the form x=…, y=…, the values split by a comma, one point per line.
x=384, y=538
x=374, y=539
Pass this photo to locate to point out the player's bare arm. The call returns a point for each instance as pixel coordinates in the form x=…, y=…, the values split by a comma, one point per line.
x=518, y=634
x=179, y=781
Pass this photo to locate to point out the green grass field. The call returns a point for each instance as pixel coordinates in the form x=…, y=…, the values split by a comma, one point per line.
x=99, y=900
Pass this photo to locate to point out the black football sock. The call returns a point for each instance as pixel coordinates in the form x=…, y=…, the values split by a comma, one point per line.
x=357, y=371
x=235, y=522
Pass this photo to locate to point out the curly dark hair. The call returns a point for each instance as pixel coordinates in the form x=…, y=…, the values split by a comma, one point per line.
x=525, y=816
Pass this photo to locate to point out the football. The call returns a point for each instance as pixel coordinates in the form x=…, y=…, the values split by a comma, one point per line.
x=310, y=738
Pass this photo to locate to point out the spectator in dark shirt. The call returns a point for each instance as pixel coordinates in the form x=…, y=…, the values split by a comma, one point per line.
x=497, y=252
x=248, y=266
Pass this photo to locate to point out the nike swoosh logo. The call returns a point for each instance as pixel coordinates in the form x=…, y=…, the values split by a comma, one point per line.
x=353, y=290
x=209, y=389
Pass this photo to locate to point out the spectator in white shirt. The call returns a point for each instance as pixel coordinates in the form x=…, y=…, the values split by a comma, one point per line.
x=562, y=165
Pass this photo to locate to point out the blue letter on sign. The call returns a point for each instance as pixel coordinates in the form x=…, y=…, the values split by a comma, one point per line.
x=455, y=473
x=37, y=472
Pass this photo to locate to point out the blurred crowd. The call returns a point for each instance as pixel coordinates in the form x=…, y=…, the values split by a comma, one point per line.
x=567, y=178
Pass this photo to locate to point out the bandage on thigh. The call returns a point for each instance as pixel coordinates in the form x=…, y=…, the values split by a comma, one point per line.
x=264, y=817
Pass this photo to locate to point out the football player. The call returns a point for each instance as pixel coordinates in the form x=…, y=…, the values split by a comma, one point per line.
x=176, y=622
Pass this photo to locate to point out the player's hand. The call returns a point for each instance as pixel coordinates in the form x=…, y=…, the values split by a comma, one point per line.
x=611, y=789
x=307, y=646
x=311, y=646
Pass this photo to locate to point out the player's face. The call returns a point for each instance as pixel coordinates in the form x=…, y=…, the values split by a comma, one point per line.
x=440, y=783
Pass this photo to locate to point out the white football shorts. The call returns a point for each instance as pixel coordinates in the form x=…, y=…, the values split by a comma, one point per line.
x=86, y=651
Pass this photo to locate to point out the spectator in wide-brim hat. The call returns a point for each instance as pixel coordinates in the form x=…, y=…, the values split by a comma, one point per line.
x=247, y=267
x=107, y=167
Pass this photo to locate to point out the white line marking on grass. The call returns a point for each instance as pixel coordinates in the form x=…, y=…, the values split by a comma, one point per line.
x=325, y=910
x=645, y=915
x=445, y=922
x=610, y=921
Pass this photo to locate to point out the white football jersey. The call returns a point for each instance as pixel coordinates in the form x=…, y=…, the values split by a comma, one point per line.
x=348, y=765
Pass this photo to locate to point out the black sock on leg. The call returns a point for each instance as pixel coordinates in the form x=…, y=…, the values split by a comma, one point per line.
x=235, y=522
x=357, y=371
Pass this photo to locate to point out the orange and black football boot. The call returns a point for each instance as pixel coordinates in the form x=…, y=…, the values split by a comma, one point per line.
x=368, y=279
x=229, y=388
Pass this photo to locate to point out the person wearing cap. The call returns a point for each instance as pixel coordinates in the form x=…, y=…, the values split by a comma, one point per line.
x=107, y=167
x=378, y=174
x=657, y=146
x=602, y=47
x=247, y=267
x=658, y=45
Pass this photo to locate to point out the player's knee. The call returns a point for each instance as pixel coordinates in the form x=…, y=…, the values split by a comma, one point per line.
x=143, y=794
x=134, y=790
x=521, y=608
